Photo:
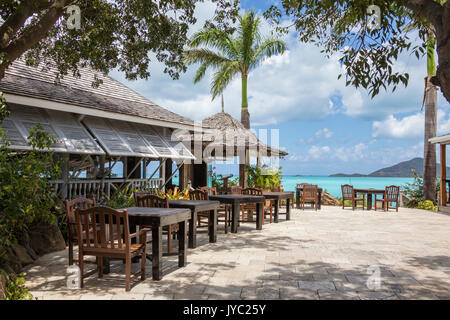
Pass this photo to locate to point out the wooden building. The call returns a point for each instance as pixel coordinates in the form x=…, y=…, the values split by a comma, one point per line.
x=96, y=127
x=444, y=198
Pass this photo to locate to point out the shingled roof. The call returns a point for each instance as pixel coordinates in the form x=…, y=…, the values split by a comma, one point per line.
x=111, y=95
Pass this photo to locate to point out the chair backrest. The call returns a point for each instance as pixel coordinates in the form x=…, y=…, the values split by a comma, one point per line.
x=150, y=201
x=110, y=230
x=392, y=193
x=198, y=194
x=236, y=190
x=301, y=185
x=347, y=192
x=209, y=190
x=310, y=192
x=252, y=191
x=78, y=203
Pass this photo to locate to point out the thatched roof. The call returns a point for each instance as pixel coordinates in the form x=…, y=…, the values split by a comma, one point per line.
x=225, y=131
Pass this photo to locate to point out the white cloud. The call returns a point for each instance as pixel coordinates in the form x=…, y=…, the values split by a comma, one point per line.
x=316, y=152
x=324, y=133
x=408, y=127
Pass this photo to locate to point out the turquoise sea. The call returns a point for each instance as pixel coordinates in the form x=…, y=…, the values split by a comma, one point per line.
x=333, y=184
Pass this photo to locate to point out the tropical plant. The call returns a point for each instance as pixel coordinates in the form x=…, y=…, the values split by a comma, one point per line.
x=414, y=191
x=174, y=194
x=26, y=197
x=121, y=198
x=231, y=56
x=427, y=205
x=15, y=288
x=264, y=177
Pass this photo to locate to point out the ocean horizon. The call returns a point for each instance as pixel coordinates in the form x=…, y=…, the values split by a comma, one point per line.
x=332, y=185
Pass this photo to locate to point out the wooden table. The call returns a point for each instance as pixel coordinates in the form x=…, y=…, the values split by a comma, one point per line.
x=157, y=218
x=277, y=197
x=236, y=200
x=369, y=193
x=297, y=195
x=199, y=206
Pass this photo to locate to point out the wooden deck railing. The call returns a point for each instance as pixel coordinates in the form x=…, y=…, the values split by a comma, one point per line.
x=98, y=188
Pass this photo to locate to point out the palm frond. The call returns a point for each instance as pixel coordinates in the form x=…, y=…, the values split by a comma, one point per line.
x=207, y=58
x=216, y=39
x=223, y=77
x=249, y=35
x=269, y=47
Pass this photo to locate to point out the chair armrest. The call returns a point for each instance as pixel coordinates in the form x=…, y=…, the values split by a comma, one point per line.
x=141, y=231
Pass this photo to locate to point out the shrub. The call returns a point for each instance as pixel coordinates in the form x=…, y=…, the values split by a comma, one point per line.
x=16, y=290
x=427, y=205
x=264, y=177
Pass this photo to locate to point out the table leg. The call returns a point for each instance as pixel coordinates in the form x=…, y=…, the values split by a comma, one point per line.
x=369, y=201
x=193, y=230
x=213, y=226
x=276, y=211
x=288, y=209
x=259, y=215
x=320, y=200
x=182, y=245
x=106, y=265
x=297, y=199
x=235, y=207
x=156, y=252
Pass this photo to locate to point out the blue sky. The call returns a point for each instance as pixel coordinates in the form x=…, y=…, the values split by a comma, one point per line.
x=325, y=126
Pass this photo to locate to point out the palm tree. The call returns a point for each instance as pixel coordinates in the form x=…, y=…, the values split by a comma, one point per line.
x=232, y=56
x=430, y=102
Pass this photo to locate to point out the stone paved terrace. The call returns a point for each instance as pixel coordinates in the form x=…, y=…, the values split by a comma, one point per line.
x=316, y=255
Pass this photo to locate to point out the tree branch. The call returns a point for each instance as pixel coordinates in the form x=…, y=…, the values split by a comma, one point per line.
x=27, y=40
x=428, y=9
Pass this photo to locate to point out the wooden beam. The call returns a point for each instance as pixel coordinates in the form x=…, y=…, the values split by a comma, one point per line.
x=443, y=187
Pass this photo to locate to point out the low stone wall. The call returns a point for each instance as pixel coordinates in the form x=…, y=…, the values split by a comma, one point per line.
x=42, y=239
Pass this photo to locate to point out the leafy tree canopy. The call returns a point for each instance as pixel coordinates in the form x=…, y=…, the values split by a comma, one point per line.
x=113, y=34
x=370, y=43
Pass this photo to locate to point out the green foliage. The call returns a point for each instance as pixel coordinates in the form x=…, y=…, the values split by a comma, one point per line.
x=26, y=197
x=174, y=194
x=228, y=55
x=123, y=35
x=341, y=27
x=16, y=290
x=217, y=181
x=427, y=205
x=264, y=177
x=121, y=198
x=414, y=190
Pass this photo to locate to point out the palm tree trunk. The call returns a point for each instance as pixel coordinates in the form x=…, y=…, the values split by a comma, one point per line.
x=245, y=120
x=429, y=172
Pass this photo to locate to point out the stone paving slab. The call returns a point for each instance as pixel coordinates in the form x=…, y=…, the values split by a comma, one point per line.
x=328, y=254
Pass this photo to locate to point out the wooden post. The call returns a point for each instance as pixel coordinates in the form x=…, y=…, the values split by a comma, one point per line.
x=443, y=177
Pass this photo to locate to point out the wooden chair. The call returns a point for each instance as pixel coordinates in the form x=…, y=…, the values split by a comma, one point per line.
x=236, y=190
x=224, y=210
x=310, y=194
x=348, y=193
x=72, y=238
x=391, y=194
x=198, y=194
x=112, y=242
x=149, y=200
x=251, y=207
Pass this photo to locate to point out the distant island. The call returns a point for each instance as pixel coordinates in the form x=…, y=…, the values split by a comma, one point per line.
x=400, y=170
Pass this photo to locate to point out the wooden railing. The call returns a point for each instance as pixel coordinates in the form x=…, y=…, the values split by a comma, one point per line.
x=99, y=188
